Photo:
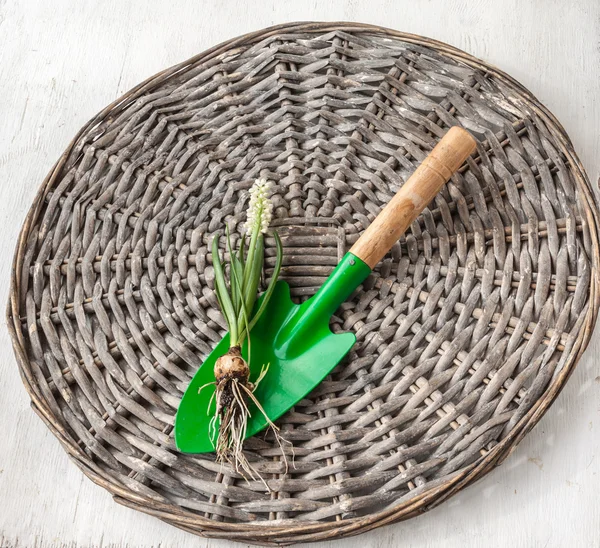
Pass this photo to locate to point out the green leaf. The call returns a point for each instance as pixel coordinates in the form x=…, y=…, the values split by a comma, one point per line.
x=242, y=251
x=223, y=293
x=244, y=328
x=236, y=276
x=272, y=283
x=253, y=256
x=252, y=274
x=255, y=272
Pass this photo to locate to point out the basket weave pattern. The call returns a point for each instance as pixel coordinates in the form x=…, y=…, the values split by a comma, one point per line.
x=466, y=331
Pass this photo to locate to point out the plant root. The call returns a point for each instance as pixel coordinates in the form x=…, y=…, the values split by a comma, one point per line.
x=232, y=393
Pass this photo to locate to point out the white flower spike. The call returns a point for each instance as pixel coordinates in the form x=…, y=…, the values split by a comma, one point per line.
x=260, y=209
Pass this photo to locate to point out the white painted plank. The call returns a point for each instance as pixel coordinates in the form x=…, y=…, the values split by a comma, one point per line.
x=62, y=61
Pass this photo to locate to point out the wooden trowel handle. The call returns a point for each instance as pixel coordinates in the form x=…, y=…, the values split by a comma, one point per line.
x=441, y=163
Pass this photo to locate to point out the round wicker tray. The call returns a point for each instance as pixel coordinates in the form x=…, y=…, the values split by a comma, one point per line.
x=466, y=332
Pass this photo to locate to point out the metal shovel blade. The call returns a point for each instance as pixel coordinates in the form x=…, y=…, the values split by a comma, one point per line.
x=293, y=341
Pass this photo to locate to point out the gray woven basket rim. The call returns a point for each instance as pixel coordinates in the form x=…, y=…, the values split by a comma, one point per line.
x=309, y=531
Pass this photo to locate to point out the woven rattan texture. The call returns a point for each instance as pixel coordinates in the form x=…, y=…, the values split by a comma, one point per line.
x=466, y=331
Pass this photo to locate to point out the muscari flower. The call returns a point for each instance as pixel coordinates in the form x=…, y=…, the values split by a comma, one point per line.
x=260, y=209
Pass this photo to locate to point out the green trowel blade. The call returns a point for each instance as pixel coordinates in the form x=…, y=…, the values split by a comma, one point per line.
x=293, y=341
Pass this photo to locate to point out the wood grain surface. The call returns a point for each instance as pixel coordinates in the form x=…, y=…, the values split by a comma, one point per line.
x=420, y=189
x=62, y=61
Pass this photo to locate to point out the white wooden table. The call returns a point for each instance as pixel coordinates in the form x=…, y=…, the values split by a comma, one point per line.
x=61, y=61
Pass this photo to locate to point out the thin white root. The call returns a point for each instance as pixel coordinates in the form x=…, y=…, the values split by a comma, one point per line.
x=212, y=425
x=204, y=386
x=278, y=437
x=263, y=371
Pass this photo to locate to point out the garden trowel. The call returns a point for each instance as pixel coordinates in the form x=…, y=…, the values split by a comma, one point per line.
x=295, y=341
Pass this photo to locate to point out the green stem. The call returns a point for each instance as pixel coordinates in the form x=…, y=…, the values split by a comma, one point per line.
x=251, y=253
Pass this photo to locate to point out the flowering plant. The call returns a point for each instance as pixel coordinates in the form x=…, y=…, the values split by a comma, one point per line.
x=237, y=290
